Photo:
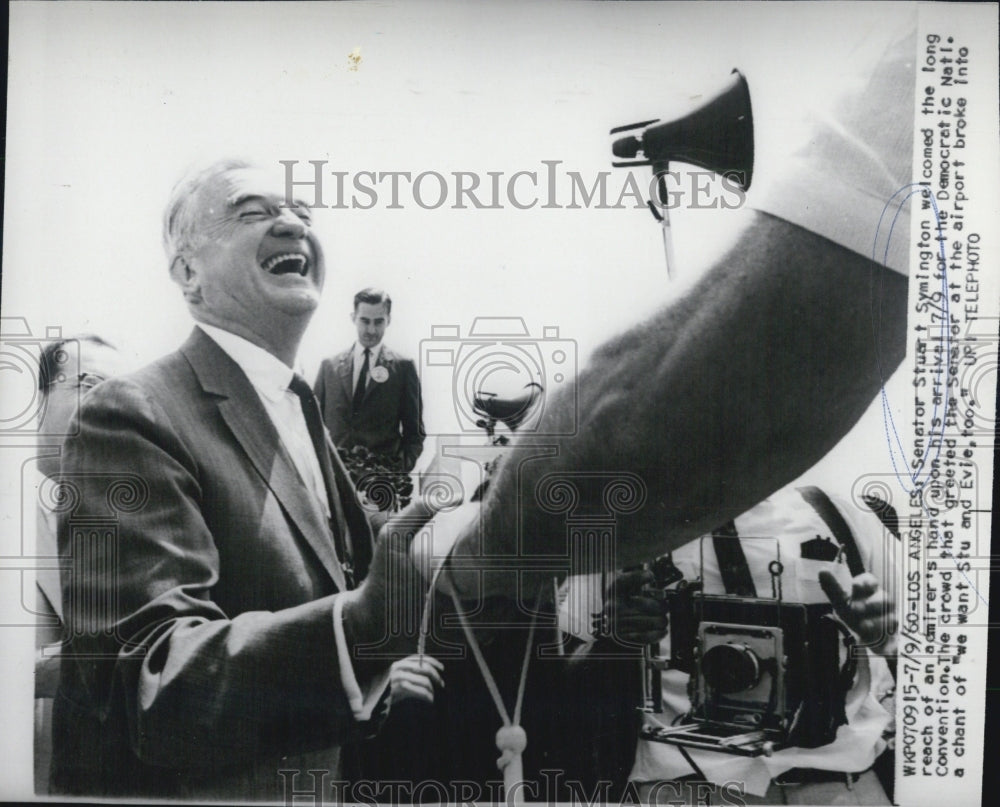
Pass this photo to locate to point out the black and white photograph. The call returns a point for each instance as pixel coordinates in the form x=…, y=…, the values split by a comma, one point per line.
x=457, y=403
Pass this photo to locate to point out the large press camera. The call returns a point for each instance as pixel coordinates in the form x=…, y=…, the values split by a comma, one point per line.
x=765, y=674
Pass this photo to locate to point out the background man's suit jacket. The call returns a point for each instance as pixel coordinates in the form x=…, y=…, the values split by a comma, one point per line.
x=390, y=420
x=202, y=657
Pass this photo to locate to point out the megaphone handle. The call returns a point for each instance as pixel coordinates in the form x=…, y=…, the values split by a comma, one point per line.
x=661, y=213
x=668, y=243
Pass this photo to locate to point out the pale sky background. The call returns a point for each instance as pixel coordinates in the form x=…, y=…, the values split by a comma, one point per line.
x=108, y=103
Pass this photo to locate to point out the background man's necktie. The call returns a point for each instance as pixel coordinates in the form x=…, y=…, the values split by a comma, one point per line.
x=359, y=390
x=314, y=422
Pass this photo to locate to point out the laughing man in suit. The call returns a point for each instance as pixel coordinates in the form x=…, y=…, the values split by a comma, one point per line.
x=370, y=395
x=212, y=533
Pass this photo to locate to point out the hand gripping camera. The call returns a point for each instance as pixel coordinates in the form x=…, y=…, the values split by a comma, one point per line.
x=765, y=673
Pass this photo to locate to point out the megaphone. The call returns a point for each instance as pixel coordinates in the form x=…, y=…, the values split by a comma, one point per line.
x=717, y=135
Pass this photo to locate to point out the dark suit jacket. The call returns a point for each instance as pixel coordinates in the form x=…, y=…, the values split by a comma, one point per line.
x=202, y=657
x=390, y=420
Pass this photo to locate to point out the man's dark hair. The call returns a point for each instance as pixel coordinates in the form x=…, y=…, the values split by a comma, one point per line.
x=53, y=356
x=373, y=297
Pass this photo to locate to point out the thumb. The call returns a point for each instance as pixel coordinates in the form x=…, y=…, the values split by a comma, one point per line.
x=834, y=592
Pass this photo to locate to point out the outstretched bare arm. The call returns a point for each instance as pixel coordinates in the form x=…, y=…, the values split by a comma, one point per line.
x=714, y=403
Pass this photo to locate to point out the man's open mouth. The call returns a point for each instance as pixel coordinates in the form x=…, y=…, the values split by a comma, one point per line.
x=288, y=263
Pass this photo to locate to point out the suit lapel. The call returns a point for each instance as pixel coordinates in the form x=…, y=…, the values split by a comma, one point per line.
x=244, y=414
x=345, y=372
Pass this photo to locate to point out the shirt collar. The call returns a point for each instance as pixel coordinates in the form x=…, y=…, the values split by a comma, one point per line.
x=269, y=375
x=359, y=353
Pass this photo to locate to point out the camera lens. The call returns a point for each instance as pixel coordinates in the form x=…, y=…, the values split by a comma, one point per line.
x=730, y=668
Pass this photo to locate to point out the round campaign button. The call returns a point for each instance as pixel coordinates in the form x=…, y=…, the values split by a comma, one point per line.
x=379, y=374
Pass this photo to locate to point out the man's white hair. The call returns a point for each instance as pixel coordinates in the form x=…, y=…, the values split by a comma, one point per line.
x=178, y=226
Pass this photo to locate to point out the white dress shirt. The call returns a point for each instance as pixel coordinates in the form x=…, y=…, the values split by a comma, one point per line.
x=270, y=377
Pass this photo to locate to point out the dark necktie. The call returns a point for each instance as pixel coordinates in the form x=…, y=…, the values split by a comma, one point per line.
x=359, y=390
x=314, y=422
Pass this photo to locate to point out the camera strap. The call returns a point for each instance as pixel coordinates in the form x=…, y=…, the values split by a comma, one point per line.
x=886, y=514
x=842, y=533
x=831, y=516
x=733, y=564
x=511, y=739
